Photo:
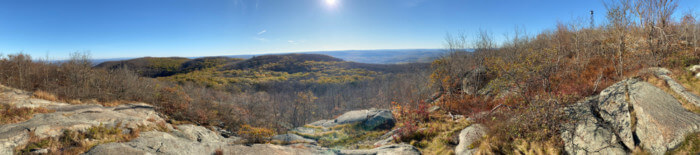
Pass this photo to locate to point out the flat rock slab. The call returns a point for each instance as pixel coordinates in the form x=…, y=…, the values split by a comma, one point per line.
x=663, y=74
x=662, y=122
x=201, y=134
x=76, y=118
x=291, y=139
x=397, y=149
x=155, y=142
x=371, y=119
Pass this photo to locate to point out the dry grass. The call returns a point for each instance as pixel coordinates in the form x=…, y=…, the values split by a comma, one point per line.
x=490, y=145
x=40, y=94
x=691, y=145
x=76, y=142
x=533, y=148
x=639, y=151
x=438, y=135
x=75, y=101
x=11, y=114
x=113, y=103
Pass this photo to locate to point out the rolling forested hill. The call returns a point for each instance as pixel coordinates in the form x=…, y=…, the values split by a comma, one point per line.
x=307, y=70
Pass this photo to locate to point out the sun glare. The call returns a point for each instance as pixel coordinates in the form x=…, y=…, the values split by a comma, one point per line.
x=331, y=2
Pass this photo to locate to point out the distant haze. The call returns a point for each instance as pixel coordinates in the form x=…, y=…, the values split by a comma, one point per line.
x=390, y=56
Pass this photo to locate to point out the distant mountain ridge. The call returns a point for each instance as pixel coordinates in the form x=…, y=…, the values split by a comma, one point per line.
x=387, y=56
x=287, y=63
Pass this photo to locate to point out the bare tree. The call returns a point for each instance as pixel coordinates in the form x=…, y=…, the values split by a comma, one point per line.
x=619, y=16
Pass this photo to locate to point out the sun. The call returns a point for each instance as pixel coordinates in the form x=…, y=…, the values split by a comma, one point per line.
x=331, y=2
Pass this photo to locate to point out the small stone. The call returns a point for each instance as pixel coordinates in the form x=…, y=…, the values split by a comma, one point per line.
x=40, y=151
x=433, y=108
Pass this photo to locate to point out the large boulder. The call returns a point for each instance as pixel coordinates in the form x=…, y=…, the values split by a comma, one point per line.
x=661, y=121
x=587, y=134
x=467, y=137
x=632, y=113
x=371, y=119
x=348, y=127
x=475, y=80
x=613, y=106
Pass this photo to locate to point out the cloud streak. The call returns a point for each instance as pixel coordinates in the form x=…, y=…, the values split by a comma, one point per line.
x=262, y=32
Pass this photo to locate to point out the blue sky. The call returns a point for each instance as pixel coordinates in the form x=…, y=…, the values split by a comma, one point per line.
x=134, y=28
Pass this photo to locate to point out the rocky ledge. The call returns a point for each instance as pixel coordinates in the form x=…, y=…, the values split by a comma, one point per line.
x=629, y=114
x=170, y=139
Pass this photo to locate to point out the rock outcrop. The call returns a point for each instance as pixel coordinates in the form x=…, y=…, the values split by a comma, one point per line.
x=76, y=118
x=467, y=137
x=613, y=106
x=286, y=139
x=661, y=122
x=182, y=139
x=663, y=74
x=399, y=149
x=626, y=115
x=370, y=119
x=475, y=80
x=588, y=135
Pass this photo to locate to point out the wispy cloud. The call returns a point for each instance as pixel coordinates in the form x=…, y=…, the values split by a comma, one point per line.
x=292, y=42
x=261, y=32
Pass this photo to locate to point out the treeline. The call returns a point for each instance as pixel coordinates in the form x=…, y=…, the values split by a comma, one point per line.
x=278, y=105
x=166, y=66
x=522, y=83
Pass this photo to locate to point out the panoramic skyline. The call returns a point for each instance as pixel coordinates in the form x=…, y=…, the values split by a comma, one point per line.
x=136, y=28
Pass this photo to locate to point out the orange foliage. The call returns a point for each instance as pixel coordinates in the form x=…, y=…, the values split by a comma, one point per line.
x=255, y=134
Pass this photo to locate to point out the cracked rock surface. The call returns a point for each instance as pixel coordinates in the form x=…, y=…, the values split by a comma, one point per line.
x=628, y=114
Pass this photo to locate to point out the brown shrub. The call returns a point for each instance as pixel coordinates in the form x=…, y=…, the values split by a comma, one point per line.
x=10, y=114
x=75, y=142
x=44, y=95
x=255, y=134
x=219, y=152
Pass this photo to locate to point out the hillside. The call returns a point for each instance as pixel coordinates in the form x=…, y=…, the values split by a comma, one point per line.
x=158, y=67
x=237, y=74
x=392, y=56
